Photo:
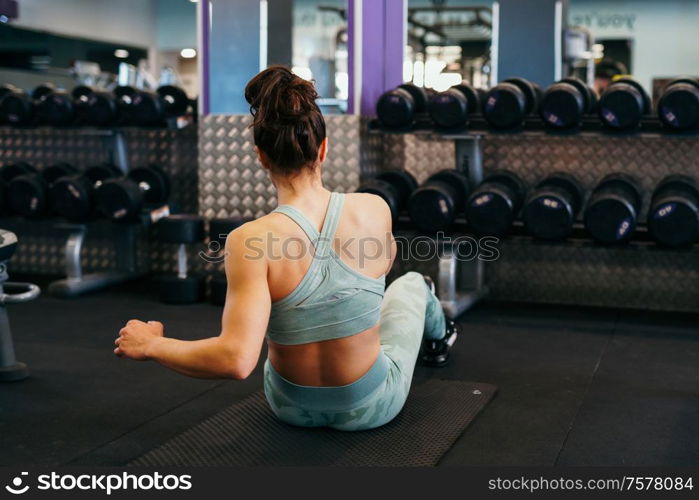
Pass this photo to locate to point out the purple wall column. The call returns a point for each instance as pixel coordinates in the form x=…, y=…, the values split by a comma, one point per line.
x=378, y=55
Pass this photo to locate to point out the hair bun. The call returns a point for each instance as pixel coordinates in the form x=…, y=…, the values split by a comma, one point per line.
x=288, y=125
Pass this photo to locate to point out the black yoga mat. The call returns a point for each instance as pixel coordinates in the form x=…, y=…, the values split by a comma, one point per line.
x=247, y=434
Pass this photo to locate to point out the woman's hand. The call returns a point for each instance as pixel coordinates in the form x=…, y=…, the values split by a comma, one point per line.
x=136, y=339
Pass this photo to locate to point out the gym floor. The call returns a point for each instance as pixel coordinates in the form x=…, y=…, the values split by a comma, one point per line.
x=576, y=386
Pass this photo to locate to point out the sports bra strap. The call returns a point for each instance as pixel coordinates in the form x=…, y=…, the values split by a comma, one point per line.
x=332, y=218
x=301, y=220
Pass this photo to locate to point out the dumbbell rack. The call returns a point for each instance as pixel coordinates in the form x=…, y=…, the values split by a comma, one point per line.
x=577, y=271
x=114, y=251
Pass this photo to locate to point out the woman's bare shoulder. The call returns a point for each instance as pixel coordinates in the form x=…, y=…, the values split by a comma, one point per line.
x=368, y=207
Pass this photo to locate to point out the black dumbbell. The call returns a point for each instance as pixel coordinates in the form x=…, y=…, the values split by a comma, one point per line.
x=9, y=172
x=623, y=104
x=54, y=107
x=506, y=105
x=494, y=204
x=28, y=194
x=73, y=196
x=175, y=101
x=94, y=107
x=183, y=229
x=16, y=106
x=125, y=197
x=551, y=208
x=397, y=108
x=219, y=229
x=394, y=186
x=612, y=211
x=434, y=205
x=678, y=106
x=453, y=107
x=673, y=216
x=145, y=108
x=139, y=107
x=565, y=103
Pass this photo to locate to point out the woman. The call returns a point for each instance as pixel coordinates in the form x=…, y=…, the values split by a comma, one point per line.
x=310, y=275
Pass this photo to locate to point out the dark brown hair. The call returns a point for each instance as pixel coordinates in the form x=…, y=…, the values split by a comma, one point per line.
x=287, y=123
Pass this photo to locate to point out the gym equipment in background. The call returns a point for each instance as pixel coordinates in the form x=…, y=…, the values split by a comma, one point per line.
x=28, y=194
x=397, y=108
x=219, y=229
x=9, y=172
x=94, y=107
x=678, y=105
x=507, y=105
x=453, y=107
x=182, y=229
x=493, y=205
x=125, y=197
x=73, y=196
x=673, y=216
x=55, y=108
x=623, y=104
x=17, y=107
x=566, y=102
x=434, y=205
x=146, y=108
x=612, y=210
x=550, y=209
x=11, y=370
x=394, y=186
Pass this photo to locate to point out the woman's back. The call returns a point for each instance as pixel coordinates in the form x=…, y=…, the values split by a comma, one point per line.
x=363, y=242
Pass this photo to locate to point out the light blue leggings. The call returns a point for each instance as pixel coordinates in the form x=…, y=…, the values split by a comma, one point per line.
x=409, y=312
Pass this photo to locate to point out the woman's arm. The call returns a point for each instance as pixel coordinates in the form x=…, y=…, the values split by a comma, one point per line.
x=235, y=352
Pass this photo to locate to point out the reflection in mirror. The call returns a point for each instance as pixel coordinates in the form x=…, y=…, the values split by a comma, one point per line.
x=320, y=50
x=652, y=41
x=448, y=42
x=144, y=44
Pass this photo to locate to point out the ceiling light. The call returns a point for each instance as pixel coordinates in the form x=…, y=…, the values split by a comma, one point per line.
x=188, y=53
x=121, y=53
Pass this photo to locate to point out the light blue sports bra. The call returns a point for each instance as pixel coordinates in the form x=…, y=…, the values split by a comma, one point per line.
x=333, y=300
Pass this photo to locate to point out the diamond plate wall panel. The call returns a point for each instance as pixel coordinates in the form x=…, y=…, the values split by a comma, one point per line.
x=419, y=154
x=42, y=244
x=232, y=183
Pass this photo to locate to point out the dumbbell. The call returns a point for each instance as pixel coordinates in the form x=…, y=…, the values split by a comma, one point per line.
x=566, y=102
x=673, y=216
x=452, y=108
x=219, y=229
x=9, y=172
x=17, y=107
x=183, y=229
x=506, y=105
x=394, y=186
x=678, y=106
x=623, y=104
x=612, y=211
x=494, y=204
x=397, y=108
x=94, y=107
x=145, y=108
x=73, y=196
x=434, y=205
x=28, y=193
x=54, y=108
x=125, y=197
x=550, y=209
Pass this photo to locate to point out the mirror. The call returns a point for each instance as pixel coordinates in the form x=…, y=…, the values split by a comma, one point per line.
x=320, y=52
x=135, y=42
x=448, y=41
x=650, y=40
